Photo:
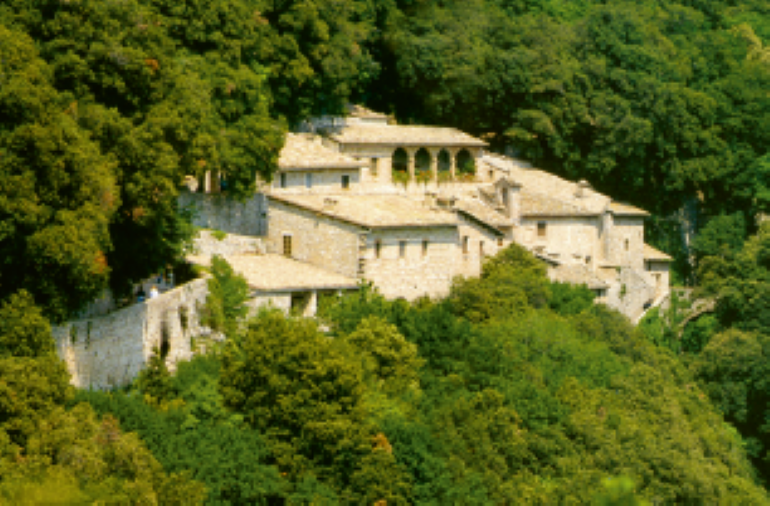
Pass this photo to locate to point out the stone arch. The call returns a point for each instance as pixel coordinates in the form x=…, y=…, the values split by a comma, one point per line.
x=466, y=164
x=444, y=161
x=421, y=162
x=400, y=160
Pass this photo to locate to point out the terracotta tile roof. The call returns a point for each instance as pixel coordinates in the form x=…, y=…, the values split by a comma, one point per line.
x=277, y=273
x=577, y=274
x=372, y=211
x=651, y=253
x=621, y=209
x=402, y=135
x=535, y=204
x=305, y=152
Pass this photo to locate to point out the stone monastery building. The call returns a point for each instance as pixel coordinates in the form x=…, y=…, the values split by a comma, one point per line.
x=408, y=208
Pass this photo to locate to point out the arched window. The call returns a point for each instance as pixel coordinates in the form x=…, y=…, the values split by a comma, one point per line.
x=400, y=160
x=444, y=161
x=466, y=164
x=422, y=162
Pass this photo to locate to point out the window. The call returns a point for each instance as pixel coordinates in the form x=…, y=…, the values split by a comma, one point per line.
x=425, y=247
x=499, y=242
x=374, y=166
x=287, y=245
x=481, y=249
x=283, y=180
x=308, y=180
x=377, y=248
x=627, y=244
x=345, y=182
x=541, y=229
x=402, y=249
x=466, y=242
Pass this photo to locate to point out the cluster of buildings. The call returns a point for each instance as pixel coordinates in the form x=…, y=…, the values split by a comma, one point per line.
x=409, y=208
x=360, y=198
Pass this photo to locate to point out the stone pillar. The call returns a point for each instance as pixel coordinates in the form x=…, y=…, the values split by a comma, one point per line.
x=410, y=153
x=312, y=305
x=453, y=161
x=434, y=163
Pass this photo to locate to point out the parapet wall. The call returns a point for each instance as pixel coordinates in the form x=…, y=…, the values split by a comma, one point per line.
x=110, y=351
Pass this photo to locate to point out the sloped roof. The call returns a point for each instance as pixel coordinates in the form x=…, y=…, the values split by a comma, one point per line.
x=372, y=211
x=403, y=135
x=536, y=204
x=621, y=209
x=305, y=152
x=546, y=188
x=651, y=253
x=277, y=273
x=483, y=212
x=359, y=111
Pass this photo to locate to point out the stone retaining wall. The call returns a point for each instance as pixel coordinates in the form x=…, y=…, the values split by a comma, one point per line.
x=109, y=351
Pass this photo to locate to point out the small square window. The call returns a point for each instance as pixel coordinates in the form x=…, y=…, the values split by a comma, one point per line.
x=308, y=180
x=377, y=248
x=283, y=180
x=345, y=182
x=499, y=242
x=402, y=249
x=287, y=245
x=425, y=245
x=374, y=166
x=541, y=229
x=627, y=244
x=466, y=242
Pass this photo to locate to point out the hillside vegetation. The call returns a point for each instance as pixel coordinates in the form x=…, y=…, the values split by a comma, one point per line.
x=511, y=390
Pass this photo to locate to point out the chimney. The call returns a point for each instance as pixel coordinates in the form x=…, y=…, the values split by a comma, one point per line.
x=509, y=194
x=582, y=186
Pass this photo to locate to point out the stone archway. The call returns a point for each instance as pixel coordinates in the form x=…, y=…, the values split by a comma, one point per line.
x=422, y=164
x=444, y=165
x=400, y=161
x=466, y=164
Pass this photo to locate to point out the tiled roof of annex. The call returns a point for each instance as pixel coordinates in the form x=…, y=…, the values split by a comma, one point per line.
x=406, y=135
x=545, y=194
x=372, y=211
x=277, y=273
x=483, y=212
x=651, y=253
x=305, y=152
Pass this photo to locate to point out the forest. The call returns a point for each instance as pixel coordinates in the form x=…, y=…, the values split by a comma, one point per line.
x=512, y=389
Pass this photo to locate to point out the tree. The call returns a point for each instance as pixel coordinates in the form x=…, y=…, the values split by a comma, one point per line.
x=24, y=332
x=226, y=302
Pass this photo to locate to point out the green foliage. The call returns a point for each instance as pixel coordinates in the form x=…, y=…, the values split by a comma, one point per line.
x=226, y=301
x=155, y=380
x=24, y=332
x=75, y=457
x=723, y=236
x=30, y=389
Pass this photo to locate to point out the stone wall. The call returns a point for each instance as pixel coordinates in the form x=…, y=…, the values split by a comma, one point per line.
x=315, y=238
x=568, y=240
x=206, y=243
x=414, y=274
x=627, y=242
x=322, y=181
x=221, y=213
x=109, y=351
x=631, y=293
x=482, y=244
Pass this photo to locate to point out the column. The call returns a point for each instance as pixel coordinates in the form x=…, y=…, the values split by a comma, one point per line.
x=453, y=161
x=410, y=153
x=434, y=163
x=207, y=182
